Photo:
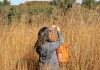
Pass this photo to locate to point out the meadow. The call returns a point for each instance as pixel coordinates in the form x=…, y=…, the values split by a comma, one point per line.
x=19, y=26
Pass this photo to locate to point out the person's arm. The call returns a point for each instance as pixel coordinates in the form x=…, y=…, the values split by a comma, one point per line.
x=60, y=38
x=55, y=45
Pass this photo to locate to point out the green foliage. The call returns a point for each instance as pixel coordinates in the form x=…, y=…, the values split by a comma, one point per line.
x=54, y=2
x=98, y=2
x=9, y=13
x=1, y=3
x=15, y=13
x=6, y=2
x=88, y=3
x=64, y=4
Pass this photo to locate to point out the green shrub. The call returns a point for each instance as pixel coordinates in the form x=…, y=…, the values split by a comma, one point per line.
x=1, y=3
x=88, y=3
x=65, y=5
x=98, y=2
x=6, y=2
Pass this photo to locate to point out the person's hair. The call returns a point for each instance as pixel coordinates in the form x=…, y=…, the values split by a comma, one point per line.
x=43, y=36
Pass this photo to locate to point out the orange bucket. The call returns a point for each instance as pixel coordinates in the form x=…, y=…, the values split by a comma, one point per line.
x=62, y=53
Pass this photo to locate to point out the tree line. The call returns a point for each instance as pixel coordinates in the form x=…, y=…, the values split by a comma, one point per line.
x=4, y=3
x=9, y=12
x=63, y=3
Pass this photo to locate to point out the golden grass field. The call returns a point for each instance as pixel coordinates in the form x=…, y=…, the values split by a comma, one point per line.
x=81, y=32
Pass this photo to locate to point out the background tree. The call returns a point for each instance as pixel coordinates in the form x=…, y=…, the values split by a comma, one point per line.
x=88, y=3
x=64, y=3
x=1, y=3
x=98, y=2
x=54, y=2
x=6, y=2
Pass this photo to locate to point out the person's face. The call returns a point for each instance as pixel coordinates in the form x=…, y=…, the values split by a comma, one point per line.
x=53, y=35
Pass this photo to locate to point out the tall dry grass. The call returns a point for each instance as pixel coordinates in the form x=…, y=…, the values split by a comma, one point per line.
x=81, y=32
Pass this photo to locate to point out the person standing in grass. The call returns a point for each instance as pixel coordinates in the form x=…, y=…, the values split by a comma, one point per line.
x=46, y=49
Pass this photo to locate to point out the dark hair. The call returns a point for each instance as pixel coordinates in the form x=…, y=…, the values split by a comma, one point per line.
x=43, y=36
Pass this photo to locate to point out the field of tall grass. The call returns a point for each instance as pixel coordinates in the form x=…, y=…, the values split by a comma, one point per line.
x=80, y=29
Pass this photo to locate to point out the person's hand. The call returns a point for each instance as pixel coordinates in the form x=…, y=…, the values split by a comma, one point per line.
x=53, y=27
x=58, y=28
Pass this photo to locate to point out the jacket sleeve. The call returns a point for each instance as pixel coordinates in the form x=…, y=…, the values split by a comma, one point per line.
x=55, y=45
